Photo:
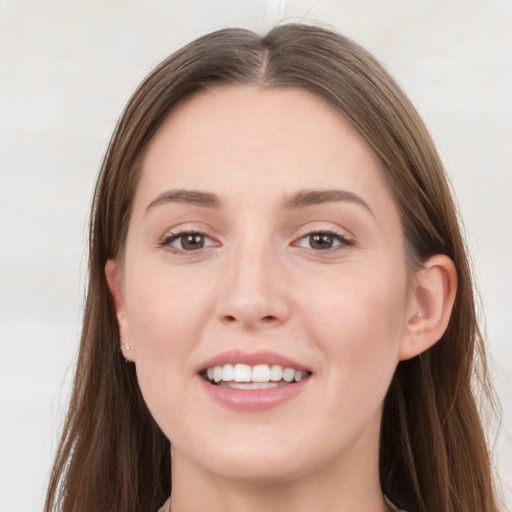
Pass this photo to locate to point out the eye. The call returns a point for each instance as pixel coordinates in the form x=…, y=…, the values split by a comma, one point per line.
x=187, y=241
x=324, y=240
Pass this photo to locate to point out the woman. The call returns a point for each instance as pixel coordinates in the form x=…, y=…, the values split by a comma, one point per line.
x=280, y=310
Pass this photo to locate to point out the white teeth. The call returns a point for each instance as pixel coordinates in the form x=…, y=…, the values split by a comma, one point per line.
x=276, y=373
x=217, y=374
x=288, y=374
x=243, y=373
x=258, y=374
x=251, y=385
x=261, y=373
x=228, y=373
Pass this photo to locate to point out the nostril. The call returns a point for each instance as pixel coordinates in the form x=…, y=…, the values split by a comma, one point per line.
x=268, y=319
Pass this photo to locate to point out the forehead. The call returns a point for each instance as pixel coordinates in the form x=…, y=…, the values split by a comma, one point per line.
x=264, y=140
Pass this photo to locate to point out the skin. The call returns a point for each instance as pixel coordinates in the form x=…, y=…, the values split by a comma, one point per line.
x=349, y=313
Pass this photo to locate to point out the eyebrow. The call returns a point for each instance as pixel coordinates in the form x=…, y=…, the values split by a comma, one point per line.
x=313, y=197
x=298, y=200
x=194, y=197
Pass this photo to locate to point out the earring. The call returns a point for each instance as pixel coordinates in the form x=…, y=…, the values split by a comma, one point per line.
x=125, y=346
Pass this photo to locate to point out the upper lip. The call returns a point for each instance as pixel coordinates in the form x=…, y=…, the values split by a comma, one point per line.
x=252, y=359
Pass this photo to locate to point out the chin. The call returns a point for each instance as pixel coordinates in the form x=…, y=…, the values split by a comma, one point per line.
x=253, y=458
x=257, y=470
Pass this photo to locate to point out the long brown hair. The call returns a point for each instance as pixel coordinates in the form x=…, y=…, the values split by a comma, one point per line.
x=433, y=456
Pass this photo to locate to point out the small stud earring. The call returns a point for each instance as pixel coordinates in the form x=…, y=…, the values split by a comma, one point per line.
x=125, y=346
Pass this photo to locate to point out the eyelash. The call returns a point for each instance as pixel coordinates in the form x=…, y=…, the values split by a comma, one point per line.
x=167, y=240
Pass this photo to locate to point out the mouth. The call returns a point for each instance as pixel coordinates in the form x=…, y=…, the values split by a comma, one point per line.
x=253, y=381
x=248, y=377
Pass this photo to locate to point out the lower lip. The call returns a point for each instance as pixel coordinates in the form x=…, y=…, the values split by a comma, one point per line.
x=253, y=400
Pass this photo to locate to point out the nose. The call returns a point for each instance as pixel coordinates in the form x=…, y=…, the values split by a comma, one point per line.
x=254, y=292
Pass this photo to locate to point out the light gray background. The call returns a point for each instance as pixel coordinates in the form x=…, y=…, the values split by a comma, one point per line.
x=66, y=70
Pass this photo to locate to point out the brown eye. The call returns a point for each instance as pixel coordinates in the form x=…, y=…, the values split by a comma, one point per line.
x=187, y=241
x=191, y=241
x=321, y=241
x=324, y=241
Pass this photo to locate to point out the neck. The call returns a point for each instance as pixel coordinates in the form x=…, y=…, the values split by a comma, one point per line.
x=351, y=485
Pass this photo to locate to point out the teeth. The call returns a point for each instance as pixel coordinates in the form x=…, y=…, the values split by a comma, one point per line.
x=252, y=385
x=262, y=376
x=288, y=374
x=228, y=373
x=276, y=373
x=242, y=373
x=261, y=373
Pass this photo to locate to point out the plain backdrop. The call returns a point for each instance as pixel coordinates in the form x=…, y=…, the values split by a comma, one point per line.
x=66, y=69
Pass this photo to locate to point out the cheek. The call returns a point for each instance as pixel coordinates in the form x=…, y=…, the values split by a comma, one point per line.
x=167, y=315
x=356, y=317
x=167, y=309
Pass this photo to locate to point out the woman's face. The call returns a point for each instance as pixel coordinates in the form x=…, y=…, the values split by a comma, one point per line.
x=263, y=246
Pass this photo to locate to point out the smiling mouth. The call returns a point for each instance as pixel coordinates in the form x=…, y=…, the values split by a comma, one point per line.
x=261, y=376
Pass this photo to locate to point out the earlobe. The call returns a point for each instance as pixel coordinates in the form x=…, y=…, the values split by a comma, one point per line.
x=431, y=305
x=114, y=284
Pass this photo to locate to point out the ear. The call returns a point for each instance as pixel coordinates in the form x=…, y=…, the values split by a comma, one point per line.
x=430, y=307
x=114, y=284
